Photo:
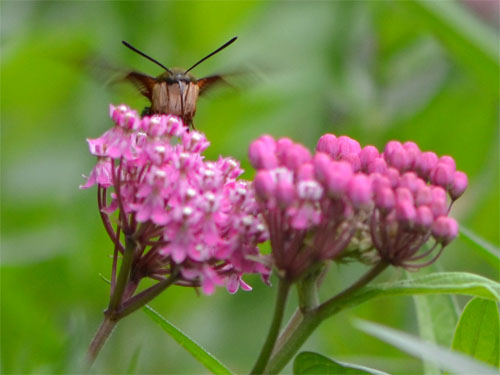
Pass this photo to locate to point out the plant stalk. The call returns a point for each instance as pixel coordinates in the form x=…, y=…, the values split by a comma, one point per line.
x=312, y=319
x=272, y=335
x=105, y=329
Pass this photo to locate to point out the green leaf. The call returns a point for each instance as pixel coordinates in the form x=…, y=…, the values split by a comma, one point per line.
x=436, y=283
x=195, y=349
x=477, y=332
x=437, y=317
x=470, y=41
x=489, y=251
x=314, y=363
x=445, y=359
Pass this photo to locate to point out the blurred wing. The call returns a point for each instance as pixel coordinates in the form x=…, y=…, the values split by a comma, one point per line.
x=209, y=82
x=143, y=82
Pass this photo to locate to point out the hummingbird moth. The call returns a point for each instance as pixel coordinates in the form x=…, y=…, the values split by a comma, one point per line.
x=176, y=90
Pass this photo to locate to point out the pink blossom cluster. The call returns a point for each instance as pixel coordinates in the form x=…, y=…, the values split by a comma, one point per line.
x=185, y=213
x=315, y=206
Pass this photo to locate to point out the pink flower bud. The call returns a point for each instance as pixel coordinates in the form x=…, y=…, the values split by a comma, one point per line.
x=347, y=146
x=393, y=175
x=282, y=145
x=261, y=155
x=458, y=185
x=449, y=161
x=384, y=199
x=380, y=181
x=295, y=155
x=397, y=157
x=268, y=141
x=264, y=185
x=442, y=174
x=424, y=217
x=413, y=152
x=305, y=172
x=322, y=165
x=423, y=196
x=405, y=212
x=367, y=155
x=411, y=181
x=438, y=204
x=352, y=159
x=404, y=195
x=360, y=190
x=444, y=230
x=377, y=165
x=328, y=144
x=285, y=193
x=338, y=177
x=425, y=163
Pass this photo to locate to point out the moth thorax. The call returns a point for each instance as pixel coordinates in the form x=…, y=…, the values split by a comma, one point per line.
x=167, y=98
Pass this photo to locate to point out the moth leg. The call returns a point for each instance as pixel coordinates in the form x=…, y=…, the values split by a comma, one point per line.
x=146, y=112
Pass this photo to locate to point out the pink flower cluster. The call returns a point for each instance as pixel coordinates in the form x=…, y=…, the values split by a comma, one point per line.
x=184, y=212
x=315, y=206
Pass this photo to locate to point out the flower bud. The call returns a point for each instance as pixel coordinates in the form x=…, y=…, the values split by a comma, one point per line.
x=294, y=156
x=424, y=217
x=459, y=184
x=347, y=146
x=360, y=190
x=367, y=155
x=338, y=177
x=405, y=212
x=328, y=144
x=442, y=174
x=264, y=185
x=261, y=155
x=444, y=230
x=425, y=162
x=385, y=199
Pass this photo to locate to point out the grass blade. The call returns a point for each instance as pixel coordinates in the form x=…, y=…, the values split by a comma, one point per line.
x=196, y=350
x=450, y=361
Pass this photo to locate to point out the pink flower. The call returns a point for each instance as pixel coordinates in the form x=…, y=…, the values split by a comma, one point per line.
x=185, y=213
x=315, y=205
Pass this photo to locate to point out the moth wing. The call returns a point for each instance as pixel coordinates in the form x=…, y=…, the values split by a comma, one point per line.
x=142, y=82
x=207, y=83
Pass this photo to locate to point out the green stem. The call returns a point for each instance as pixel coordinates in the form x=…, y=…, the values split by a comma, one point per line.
x=123, y=275
x=142, y=298
x=100, y=337
x=272, y=335
x=312, y=319
x=110, y=318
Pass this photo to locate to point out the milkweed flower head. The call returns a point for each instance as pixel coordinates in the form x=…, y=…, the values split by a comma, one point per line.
x=184, y=212
x=321, y=206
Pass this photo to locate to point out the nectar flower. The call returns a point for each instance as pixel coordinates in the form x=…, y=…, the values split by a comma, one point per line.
x=319, y=206
x=185, y=214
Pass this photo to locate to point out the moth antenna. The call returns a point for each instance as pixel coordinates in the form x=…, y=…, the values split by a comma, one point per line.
x=146, y=56
x=211, y=54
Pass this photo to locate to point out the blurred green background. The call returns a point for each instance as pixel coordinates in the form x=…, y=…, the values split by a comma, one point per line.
x=377, y=70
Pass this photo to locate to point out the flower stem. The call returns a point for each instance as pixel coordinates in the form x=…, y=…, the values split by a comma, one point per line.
x=272, y=335
x=141, y=299
x=110, y=318
x=312, y=319
x=100, y=337
x=123, y=275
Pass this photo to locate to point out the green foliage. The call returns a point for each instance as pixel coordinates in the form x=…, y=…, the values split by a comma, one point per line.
x=314, y=363
x=198, y=352
x=436, y=283
x=478, y=331
x=450, y=361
